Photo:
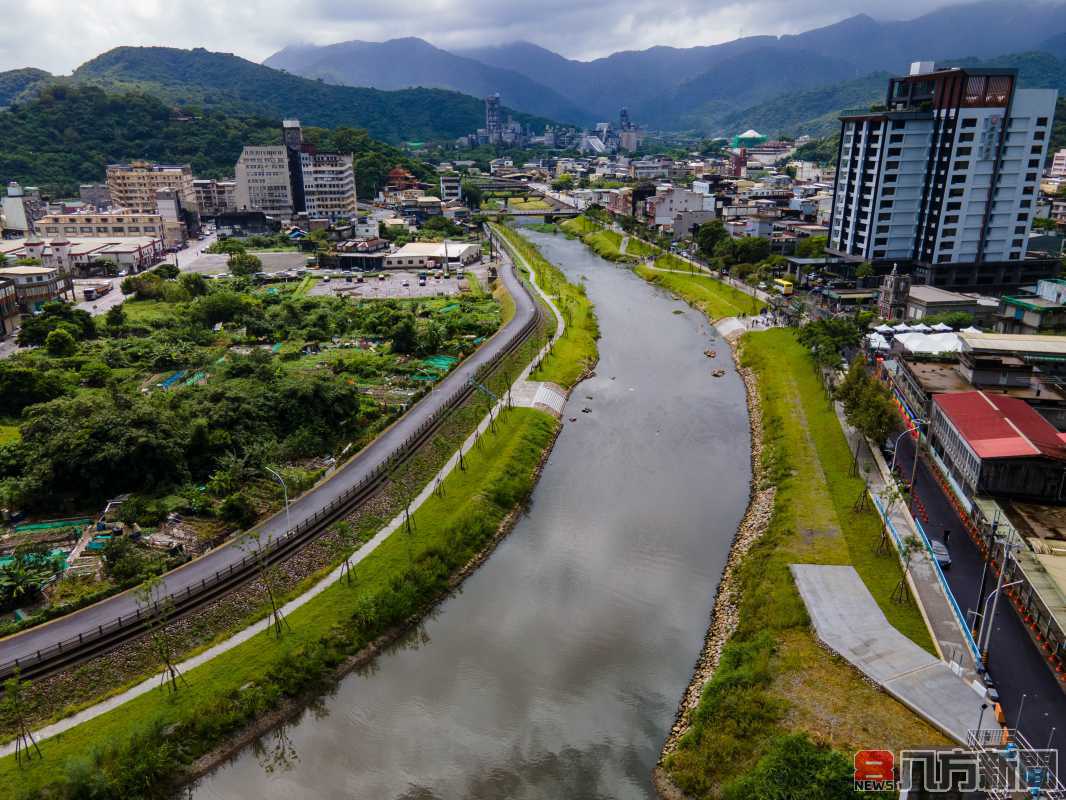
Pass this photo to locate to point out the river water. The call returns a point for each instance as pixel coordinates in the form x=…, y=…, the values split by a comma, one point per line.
x=556, y=671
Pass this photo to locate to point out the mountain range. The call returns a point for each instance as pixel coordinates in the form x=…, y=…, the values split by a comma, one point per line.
x=688, y=88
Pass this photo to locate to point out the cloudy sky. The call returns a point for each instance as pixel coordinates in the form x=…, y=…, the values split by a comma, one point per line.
x=57, y=35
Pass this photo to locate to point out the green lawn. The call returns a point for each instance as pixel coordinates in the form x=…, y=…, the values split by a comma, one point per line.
x=640, y=248
x=576, y=351
x=9, y=433
x=709, y=295
x=774, y=677
x=257, y=674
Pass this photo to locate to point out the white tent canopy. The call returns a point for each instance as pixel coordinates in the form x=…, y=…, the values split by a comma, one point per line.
x=903, y=327
x=883, y=328
x=921, y=327
x=876, y=341
x=929, y=342
x=970, y=329
x=940, y=327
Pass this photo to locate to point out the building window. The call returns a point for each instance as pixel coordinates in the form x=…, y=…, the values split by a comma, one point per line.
x=951, y=219
x=949, y=232
x=884, y=217
x=1023, y=218
x=895, y=138
x=954, y=206
x=965, y=137
x=1035, y=150
x=1038, y=136
x=958, y=179
x=1017, y=243
x=969, y=122
x=898, y=124
x=1019, y=229
x=956, y=192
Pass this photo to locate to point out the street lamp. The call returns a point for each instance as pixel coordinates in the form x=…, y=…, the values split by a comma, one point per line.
x=985, y=633
x=918, y=423
x=285, y=490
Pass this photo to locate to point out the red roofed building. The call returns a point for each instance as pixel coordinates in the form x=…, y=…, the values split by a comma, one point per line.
x=992, y=444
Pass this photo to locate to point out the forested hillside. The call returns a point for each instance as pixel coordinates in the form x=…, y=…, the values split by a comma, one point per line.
x=68, y=134
x=224, y=82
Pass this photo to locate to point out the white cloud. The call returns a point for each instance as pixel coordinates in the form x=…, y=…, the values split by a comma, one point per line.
x=57, y=35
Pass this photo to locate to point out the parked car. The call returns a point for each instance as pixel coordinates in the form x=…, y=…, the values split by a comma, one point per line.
x=940, y=553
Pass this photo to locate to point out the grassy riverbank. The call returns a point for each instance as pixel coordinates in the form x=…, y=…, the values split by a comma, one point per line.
x=709, y=295
x=138, y=749
x=774, y=680
x=575, y=352
x=603, y=242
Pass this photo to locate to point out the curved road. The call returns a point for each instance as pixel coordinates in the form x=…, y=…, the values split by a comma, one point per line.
x=362, y=465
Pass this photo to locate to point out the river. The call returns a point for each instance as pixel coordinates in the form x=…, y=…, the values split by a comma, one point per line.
x=557, y=670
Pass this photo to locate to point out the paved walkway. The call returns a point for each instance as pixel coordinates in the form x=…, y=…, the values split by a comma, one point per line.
x=938, y=609
x=847, y=619
x=189, y=664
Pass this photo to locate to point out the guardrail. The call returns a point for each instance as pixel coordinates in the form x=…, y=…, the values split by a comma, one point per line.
x=108, y=634
x=898, y=541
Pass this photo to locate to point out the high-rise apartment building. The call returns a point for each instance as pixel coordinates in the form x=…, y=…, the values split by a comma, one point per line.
x=293, y=178
x=942, y=179
x=493, y=120
x=133, y=186
x=262, y=177
x=328, y=185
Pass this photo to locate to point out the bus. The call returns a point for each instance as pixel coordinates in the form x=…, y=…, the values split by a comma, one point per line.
x=783, y=286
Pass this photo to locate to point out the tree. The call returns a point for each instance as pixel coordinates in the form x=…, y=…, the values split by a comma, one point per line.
x=909, y=547
x=404, y=336
x=116, y=317
x=13, y=711
x=865, y=270
x=60, y=343
x=472, y=194
x=709, y=234
x=244, y=265
x=270, y=577
x=227, y=247
x=55, y=314
x=166, y=271
x=811, y=247
x=563, y=183
x=192, y=282
x=238, y=509
x=157, y=609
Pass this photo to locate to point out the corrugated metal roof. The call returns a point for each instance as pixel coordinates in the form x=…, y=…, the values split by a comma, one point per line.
x=997, y=426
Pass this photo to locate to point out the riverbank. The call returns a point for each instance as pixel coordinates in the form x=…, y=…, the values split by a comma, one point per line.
x=154, y=738
x=573, y=355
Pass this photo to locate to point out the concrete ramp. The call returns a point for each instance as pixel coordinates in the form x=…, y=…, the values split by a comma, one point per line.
x=537, y=394
x=847, y=619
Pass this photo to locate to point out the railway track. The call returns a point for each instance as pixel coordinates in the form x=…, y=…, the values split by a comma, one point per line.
x=109, y=635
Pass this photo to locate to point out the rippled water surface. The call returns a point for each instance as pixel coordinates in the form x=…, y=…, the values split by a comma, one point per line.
x=557, y=670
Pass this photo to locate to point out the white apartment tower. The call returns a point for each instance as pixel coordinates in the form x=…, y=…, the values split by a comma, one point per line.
x=262, y=178
x=944, y=177
x=284, y=180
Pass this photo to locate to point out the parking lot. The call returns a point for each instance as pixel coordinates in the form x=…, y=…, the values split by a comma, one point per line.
x=215, y=263
x=395, y=284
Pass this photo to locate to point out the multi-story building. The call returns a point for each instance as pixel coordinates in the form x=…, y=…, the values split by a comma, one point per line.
x=215, y=197
x=293, y=178
x=493, y=120
x=328, y=185
x=114, y=224
x=943, y=180
x=263, y=182
x=451, y=187
x=36, y=285
x=22, y=208
x=9, y=308
x=1058, y=165
x=96, y=195
x=133, y=186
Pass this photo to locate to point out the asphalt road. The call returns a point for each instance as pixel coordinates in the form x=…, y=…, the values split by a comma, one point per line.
x=24, y=644
x=1014, y=662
